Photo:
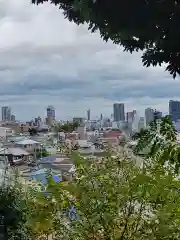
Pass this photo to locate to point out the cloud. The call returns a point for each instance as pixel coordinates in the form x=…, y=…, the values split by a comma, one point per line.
x=46, y=60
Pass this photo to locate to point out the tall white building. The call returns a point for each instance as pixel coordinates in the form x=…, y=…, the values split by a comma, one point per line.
x=130, y=118
x=149, y=115
x=6, y=114
x=135, y=123
x=138, y=123
x=119, y=114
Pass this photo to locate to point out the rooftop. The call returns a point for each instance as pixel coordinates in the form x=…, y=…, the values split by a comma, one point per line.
x=14, y=151
x=111, y=134
x=84, y=143
x=90, y=151
x=40, y=175
x=27, y=141
x=16, y=138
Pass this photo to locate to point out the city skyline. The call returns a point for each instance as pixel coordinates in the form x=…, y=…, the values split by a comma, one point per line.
x=119, y=112
x=68, y=67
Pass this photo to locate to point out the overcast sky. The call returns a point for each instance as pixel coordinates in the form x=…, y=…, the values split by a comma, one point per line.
x=46, y=60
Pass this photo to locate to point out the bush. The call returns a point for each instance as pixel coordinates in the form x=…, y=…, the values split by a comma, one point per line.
x=13, y=207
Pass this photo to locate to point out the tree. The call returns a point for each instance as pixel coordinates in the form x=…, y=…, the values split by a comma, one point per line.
x=14, y=210
x=41, y=215
x=122, y=201
x=68, y=127
x=137, y=135
x=159, y=141
x=42, y=153
x=149, y=25
x=32, y=131
x=112, y=199
x=28, y=213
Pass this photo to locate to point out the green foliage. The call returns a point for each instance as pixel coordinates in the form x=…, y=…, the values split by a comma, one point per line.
x=68, y=127
x=32, y=131
x=159, y=133
x=148, y=25
x=41, y=214
x=159, y=141
x=138, y=135
x=42, y=153
x=27, y=212
x=114, y=199
x=14, y=208
x=117, y=200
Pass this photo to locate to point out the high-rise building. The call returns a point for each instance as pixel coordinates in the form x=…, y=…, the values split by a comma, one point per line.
x=174, y=110
x=88, y=114
x=157, y=114
x=50, y=115
x=6, y=114
x=38, y=121
x=130, y=116
x=50, y=111
x=79, y=120
x=13, y=118
x=119, y=114
x=141, y=124
x=135, y=123
x=129, y=119
x=149, y=115
x=138, y=123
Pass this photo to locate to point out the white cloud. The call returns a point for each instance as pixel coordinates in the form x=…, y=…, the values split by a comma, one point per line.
x=45, y=59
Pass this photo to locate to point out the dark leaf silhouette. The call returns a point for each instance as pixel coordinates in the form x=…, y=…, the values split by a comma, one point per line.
x=148, y=25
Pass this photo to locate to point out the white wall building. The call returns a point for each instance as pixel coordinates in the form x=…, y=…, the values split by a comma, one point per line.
x=5, y=132
x=28, y=144
x=82, y=132
x=129, y=119
x=138, y=123
x=135, y=123
x=61, y=136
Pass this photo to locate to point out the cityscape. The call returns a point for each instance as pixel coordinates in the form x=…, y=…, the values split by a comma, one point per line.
x=119, y=119
x=88, y=149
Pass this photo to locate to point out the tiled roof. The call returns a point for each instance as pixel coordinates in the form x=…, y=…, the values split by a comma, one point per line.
x=112, y=134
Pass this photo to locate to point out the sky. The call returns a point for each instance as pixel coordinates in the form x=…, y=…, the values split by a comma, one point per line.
x=46, y=60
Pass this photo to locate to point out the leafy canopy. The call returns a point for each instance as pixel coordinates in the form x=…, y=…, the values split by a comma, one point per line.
x=14, y=208
x=67, y=127
x=32, y=131
x=159, y=141
x=114, y=199
x=149, y=25
x=42, y=153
